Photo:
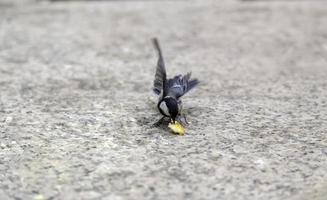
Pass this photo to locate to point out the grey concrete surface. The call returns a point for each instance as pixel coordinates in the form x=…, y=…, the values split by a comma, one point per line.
x=76, y=105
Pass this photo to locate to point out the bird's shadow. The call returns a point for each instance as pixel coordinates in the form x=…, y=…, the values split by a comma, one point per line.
x=154, y=121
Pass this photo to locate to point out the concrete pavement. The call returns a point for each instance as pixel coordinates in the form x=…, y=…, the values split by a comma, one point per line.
x=76, y=105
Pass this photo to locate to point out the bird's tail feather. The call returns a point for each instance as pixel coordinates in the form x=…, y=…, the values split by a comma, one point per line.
x=156, y=45
x=192, y=83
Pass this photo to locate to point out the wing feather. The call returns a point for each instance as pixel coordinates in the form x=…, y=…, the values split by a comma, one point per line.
x=180, y=85
x=159, y=83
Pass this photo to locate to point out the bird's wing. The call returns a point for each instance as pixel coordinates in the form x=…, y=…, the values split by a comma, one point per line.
x=159, y=83
x=180, y=85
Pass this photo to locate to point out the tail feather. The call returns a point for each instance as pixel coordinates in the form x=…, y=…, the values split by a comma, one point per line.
x=192, y=83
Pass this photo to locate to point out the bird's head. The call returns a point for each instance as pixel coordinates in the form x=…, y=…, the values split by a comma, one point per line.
x=172, y=106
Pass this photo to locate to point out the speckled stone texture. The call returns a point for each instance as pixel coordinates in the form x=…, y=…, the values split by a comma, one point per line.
x=76, y=106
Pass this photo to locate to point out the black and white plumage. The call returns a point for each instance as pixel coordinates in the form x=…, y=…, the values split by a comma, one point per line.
x=172, y=89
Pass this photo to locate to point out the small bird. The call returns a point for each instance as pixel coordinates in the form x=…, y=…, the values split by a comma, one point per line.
x=170, y=90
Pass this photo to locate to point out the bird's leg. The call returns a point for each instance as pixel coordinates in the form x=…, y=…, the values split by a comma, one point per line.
x=181, y=113
x=159, y=122
x=184, y=116
x=182, y=119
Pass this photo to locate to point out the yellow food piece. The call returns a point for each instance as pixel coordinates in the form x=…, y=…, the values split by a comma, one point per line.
x=177, y=128
x=39, y=197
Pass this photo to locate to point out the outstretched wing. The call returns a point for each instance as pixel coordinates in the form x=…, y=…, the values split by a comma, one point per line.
x=180, y=85
x=159, y=83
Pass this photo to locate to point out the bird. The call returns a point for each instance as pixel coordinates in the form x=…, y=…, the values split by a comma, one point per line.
x=170, y=90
